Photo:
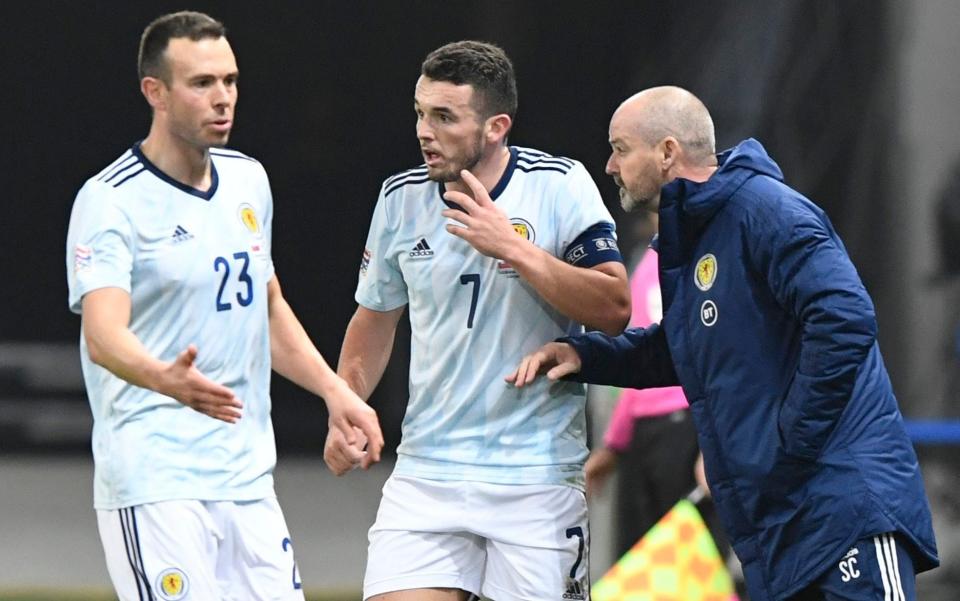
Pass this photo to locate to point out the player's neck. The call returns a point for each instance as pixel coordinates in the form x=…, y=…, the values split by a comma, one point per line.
x=489, y=170
x=183, y=162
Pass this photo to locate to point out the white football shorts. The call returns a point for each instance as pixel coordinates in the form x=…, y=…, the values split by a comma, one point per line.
x=502, y=541
x=200, y=550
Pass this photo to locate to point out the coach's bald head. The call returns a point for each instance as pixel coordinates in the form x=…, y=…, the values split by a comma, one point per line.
x=671, y=111
x=657, y=135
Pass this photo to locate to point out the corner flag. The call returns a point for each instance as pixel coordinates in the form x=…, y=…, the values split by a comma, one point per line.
x=676, y=560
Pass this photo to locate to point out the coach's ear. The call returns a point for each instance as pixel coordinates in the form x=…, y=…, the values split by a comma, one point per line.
x=670, y=151
x=155, y=91
x=496, y=128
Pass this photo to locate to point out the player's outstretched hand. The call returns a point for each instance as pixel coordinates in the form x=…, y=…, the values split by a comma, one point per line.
x=184, y=382
x=485, y=227
x=353, y=426
x=556, y=359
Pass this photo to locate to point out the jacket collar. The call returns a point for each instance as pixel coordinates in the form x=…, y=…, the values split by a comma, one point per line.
x=701, y=200
x=686, y=207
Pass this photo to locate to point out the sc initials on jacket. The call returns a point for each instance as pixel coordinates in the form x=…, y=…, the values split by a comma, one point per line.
x=848, y=566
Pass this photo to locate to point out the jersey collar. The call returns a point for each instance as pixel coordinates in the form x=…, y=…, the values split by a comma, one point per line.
x=206, y=195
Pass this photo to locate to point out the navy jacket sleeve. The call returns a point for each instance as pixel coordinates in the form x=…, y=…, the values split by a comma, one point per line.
x=638, y=358
x=811, y=276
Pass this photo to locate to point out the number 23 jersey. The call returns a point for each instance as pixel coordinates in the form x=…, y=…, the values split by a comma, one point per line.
x=473, y=318
x=196, y=265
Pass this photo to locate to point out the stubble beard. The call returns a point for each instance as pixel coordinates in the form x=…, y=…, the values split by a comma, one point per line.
x=644, y=202
x=642, y=195
x=627, y=202
x=195, y=134
x=467, y=161
x=195, y=137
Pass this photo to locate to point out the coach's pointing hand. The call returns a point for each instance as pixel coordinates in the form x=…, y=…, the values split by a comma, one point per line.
x=556, y=359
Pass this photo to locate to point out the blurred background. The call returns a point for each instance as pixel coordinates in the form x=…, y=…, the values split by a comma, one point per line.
x=856, y=100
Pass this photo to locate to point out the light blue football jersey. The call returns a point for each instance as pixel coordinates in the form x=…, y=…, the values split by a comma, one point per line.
x=472, y=320
x=196, y=265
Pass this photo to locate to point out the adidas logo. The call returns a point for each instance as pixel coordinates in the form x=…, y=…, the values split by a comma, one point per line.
x=181, y=235
x=574, y=591
x=421, y=250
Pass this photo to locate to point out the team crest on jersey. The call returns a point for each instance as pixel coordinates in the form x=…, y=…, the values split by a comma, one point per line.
x=523, y=227
x=706, y=272
x=172, y=584
x=248, y=217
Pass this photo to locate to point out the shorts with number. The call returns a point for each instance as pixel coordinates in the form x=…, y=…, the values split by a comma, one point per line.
x=877, y=568
x=504, y=542
x=200, y=550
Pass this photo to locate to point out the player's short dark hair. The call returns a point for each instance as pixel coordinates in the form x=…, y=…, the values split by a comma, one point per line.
x=184, y=24
x=484, y=66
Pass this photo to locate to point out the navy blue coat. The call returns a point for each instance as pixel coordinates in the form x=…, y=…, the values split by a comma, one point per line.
x=772, y=335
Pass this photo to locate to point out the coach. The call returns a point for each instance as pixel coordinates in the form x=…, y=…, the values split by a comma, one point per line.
x=772, y=335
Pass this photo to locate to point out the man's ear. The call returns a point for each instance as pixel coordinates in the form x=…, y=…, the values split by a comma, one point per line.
x=497, y=127
x=669, y=152
x=155, y=91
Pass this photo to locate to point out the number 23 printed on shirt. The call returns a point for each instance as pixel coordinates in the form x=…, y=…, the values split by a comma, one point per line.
x=244, y=277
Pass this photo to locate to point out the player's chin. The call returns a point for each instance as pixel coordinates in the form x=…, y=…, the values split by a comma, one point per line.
x=439, y=174
x=218, y=141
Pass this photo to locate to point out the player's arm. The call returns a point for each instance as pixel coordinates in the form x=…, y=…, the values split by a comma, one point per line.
x=366, y=349
x=111, y=344
x=296, y=358
x=598, y=297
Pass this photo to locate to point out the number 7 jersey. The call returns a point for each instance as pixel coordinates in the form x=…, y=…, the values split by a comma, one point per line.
x=196, y=265
x=473, y=318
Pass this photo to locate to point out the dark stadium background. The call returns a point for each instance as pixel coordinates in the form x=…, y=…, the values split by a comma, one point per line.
x=326, y=105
